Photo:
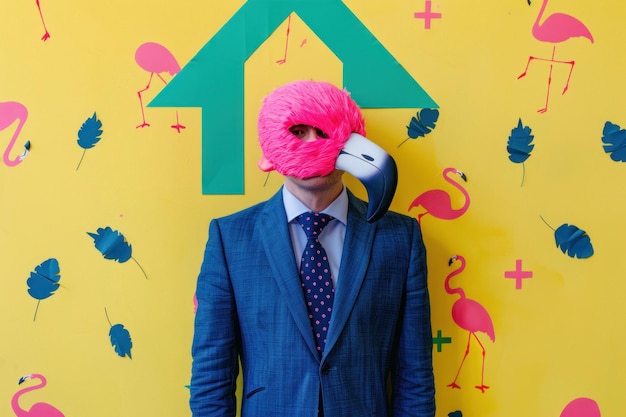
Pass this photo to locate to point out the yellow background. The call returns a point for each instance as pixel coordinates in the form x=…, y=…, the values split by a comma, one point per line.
x=557, y=339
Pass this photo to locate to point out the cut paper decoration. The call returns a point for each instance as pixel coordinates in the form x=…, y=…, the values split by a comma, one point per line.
x=219, y=66
x=456, y=413
x=156, y=59
x=88, y=135
x=438, y=202
x=113, y=245
x=581, y=407
x=37, y=409
x=46, y=35
x=572, y=241
x=120, y=338
x=427, y=14
x=11, y=111
x=44, y=281
x=470, y=316
x=614, y=138
x=421, y=124
x=556, y=28
x=519, y=145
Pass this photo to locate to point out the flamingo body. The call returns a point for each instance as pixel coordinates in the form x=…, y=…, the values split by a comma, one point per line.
x=581, y=407
x=560, y=27
x=473, y=317
x=155, y=58
x=438, y=202
x=37, y=409
x=11, y=111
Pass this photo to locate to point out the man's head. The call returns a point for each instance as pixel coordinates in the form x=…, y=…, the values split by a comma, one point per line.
x=311, y=129
x=330, y=110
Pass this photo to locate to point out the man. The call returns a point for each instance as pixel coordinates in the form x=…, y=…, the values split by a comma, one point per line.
x=364, y=346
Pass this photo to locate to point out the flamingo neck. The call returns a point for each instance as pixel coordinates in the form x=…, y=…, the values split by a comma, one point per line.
x=16, y=397
x=540, y=15
x=459, y=187
x=7, y=152
x=457, y=271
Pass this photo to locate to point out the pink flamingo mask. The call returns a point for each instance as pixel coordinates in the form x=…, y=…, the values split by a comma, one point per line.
x=344, y=147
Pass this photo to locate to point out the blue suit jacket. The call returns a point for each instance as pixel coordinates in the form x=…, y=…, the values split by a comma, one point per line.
x=251, y=308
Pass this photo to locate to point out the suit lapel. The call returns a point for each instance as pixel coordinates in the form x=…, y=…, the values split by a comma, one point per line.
x=357, y=250
x=279, y=250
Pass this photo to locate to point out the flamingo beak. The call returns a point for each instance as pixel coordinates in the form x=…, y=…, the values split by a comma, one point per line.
x=22, y=379
x=375, y=168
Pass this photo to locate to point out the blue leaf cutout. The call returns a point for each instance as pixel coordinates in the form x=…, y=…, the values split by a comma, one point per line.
x=615, y=139
x=120, y=340
x=112, y=244
x=519, y=145
x=89, y=133
x=456, y=413
x=573, y=241
x=43, y=282
x=421, y=124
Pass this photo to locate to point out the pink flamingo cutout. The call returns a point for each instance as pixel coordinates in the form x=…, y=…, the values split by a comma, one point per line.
x=471, y=316
x=47, y=34
x=156, y=59
x=581, y=407
x=10, y=111
x=38, y=409
x=556, y=28
x=438, y=202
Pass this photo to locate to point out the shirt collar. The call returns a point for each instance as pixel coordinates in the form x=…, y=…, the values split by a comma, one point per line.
x=338, y=208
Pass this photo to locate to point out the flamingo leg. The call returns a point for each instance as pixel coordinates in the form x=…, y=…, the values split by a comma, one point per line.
x=569, y=76
x=45, y=35
x=453, y=384
x=177, y=126
x=545, y=108
x=143, y=115
x=482, y=385
x=284, y=58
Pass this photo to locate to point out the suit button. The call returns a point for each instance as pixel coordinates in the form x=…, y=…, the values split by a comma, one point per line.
x=325, y=369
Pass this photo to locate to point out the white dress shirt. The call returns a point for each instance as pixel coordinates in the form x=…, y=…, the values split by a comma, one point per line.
x=332, y=236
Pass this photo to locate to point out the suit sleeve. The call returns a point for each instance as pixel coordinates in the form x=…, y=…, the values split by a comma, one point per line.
x=412, y=375
x=216, y=343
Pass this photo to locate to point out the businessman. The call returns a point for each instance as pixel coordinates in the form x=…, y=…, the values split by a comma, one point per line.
x=319, y=298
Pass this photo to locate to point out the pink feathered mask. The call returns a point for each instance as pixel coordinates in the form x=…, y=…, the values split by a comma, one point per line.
x=317, y=104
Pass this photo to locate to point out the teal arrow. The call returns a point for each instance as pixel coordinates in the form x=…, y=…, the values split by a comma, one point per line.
x=214, y=78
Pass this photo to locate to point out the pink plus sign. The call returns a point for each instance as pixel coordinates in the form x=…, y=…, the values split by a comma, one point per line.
x=427, y=14
x=518, y=274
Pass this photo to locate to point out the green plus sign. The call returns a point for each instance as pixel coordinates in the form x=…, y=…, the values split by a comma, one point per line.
x=440, y=340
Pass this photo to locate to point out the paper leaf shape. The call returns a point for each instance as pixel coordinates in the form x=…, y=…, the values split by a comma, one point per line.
x=120, y=340
x=615, y=141
x=421, y=124
x=519, y=145
x=573, y=241
x=456, y=413
x=112, y=244
x=44, y=281
x=89, y=134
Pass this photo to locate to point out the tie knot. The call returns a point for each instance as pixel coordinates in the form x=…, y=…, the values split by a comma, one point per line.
x=314, y=223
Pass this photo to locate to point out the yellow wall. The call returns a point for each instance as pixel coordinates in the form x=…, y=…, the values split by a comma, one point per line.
x=558, y=338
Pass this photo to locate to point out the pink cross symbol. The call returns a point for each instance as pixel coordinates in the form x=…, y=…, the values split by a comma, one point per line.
x=518, y=274
x=427, y=14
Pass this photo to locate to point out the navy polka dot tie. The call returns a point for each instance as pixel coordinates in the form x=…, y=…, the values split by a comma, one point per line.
x=316, y=277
